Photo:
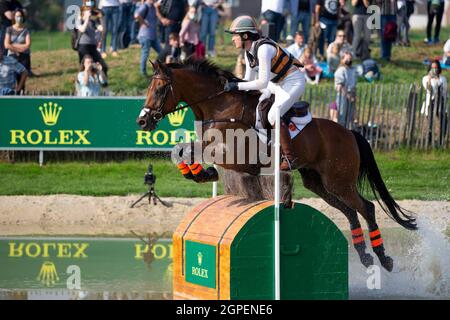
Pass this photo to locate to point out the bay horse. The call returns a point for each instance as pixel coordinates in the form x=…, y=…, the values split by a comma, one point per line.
x=335, y=161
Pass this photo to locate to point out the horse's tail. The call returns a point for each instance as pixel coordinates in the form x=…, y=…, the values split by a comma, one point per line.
x=369, y=171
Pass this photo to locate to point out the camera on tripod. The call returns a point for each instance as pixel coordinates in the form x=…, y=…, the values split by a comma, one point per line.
x=150, y=180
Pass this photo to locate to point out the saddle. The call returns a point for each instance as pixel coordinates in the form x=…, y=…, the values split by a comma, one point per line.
x=299, y=109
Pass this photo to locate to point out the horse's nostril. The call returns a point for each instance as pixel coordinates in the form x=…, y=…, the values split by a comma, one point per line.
x=142, y=123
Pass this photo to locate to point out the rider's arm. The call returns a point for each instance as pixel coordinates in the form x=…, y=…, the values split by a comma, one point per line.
x=265, y=55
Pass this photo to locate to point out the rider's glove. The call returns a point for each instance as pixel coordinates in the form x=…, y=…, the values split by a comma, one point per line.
x=231, y=86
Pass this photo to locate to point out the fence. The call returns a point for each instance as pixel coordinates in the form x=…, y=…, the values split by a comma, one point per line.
x=388, y=115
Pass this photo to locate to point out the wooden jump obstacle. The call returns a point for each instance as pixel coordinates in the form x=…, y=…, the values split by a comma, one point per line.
x=224, y=249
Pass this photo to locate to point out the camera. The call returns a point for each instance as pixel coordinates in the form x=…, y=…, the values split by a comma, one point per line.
x=149, y=177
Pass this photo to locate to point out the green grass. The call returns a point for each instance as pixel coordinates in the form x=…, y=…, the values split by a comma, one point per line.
x=57, y=63
x=408, y=175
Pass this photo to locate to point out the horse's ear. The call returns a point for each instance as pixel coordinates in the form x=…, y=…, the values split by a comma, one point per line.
x=154, y=65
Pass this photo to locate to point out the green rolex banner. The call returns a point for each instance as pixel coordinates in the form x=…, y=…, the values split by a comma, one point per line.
x=58, y=123
x=89, y=263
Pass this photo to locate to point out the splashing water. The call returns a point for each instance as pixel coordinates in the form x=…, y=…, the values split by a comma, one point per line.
x=422, y=264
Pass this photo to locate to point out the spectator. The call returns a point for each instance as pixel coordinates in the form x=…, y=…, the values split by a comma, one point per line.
x=7, y=8
x=436, y=86
x=172, y=53
x=435, y=8
x=11, y=70
x=89, y=24
x=446, y=57
x=326, y=17
x=125, y=22
x=135, y=23
x=299, y=45
x=313, y=71
x=403, y=23
x=209, y=21
x=272, y=12
x=345, y=85
x=361, y=36
x=345, y=23
x=171, y=13
x=147, y=17
x=111, y=11
x=18, y=40
x=301, y=14
x=90, y=78
x=190, y=33
x=388, y=26
x=336, y=49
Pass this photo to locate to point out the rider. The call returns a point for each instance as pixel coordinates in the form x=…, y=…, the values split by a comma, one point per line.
x=272, y=70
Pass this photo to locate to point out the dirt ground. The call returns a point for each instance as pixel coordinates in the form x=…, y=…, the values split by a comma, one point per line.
x=79, y=215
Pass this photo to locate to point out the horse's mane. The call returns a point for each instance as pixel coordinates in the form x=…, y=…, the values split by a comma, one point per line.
x=206, y=67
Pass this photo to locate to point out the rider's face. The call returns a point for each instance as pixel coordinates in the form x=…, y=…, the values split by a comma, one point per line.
x=237, y=41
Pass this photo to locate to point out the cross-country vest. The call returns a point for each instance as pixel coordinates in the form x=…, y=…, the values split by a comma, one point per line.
x=281, y=63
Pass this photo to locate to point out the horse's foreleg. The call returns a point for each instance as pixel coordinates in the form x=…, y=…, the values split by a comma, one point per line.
x=184, y=155
x=312, y=181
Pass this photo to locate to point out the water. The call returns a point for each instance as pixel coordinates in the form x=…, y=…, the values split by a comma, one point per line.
x=119, y=269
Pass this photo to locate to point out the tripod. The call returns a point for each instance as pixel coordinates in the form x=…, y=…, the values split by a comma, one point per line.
x=152, y=197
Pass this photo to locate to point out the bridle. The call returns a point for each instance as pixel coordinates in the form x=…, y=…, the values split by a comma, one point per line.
x=158, y=114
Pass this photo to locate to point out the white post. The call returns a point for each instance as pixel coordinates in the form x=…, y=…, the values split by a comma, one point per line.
x=214, y=190
x=277, y=204
x=41, y=158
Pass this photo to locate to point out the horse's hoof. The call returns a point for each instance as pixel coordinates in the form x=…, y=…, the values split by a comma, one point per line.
x=366, y=259
x=387, y=263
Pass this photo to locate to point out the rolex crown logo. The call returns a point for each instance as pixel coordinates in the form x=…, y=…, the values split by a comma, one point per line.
x=200, y=258
x=48, y=275
x=50, y=113
x=177, y=117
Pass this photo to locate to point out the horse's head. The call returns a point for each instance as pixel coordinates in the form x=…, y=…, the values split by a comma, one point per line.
x=160, y=99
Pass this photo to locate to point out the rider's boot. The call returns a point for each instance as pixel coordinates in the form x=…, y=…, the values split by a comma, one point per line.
x=289, y=161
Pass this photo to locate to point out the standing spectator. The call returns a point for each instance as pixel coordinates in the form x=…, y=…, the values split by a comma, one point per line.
x=125, y=22
x=189, y=33
x=87, y=27
x=345, y=85
x=111, y=11
x=403, y=23
x=345, y=23
x=209, y=20
x=7, y=8
x=135, y=23
x=326, y=17
x=90, y=78
x=172, y=53
x=299, y=45
x=436, y=86
x=361, y=36
x=301, y=11
x=272, y=12
x=388, y=26
x=171, y=13
x=336, y=50
x=18, y=40
x=435, y=8
x=10, y=71
x=313, y=71
x=147, y=17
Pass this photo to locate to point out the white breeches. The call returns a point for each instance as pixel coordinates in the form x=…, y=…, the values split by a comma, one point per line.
x=287, y=92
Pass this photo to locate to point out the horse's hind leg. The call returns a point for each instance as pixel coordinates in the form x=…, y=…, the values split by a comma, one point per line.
x=313, y=182
x=350, y=196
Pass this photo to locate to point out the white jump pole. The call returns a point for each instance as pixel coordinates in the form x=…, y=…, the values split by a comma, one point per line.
x=214, y=188
x=277, y=204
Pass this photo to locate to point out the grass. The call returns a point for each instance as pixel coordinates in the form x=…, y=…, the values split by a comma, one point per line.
x=57, y=63
x=408, y=175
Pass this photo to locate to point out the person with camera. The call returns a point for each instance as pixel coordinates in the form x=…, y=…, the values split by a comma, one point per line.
x=345, y=84
x=91, y=78
x=171, y=14
x=89, y=24
x=18, y=40
x=147, y=36
x=435, y=85
x=172, y=53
